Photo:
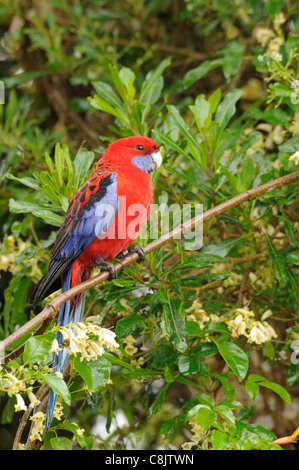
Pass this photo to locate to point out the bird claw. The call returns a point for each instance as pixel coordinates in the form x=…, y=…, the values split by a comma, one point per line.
x=122, y=254
x=140, y=251
x=108, y=267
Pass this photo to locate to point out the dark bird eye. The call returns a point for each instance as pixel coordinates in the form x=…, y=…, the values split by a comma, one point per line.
x=140, y=147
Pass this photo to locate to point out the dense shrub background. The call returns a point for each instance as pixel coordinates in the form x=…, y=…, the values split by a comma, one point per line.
x=205, y=336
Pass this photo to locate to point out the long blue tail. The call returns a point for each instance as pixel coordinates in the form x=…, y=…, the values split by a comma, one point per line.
x=70, y=312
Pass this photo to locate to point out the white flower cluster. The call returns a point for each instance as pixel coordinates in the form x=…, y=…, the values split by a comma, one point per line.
x=89, y=340
x=244, y=324
x=241, y=322
x=39, y=425
x=39, y=422
x=271, y=38
x=15, y=386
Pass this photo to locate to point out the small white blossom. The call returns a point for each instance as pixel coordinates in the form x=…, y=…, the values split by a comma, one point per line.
x=55, y=347
x=58, y=411
x=277, y=56
x=33, y=400
x=279, y=19
x=295, y=157
x=20, y=405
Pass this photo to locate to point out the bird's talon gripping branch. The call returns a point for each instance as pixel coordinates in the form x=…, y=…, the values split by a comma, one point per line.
x=140, y=251
x=108, y=267
x=122, y=254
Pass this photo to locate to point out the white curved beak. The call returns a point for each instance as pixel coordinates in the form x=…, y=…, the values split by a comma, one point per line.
x=157, y=159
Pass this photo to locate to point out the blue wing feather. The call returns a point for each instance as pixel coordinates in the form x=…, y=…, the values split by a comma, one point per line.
x=78, y=230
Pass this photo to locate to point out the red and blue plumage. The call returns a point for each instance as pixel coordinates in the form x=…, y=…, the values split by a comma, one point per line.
x=96, y=228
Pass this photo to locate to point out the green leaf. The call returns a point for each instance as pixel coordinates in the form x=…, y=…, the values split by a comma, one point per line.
x=260, y=381
x=127, y=77
x=25, y=207
x=205, y=399
x=282, y=392
x=49, y=186
x=233, y=180
x=280, y=90
x=226, y=413
x=138, y=372
x=232, y=60
x=20, y=299
x=83, y=441
x=58, y=386
x=127, y=325
x=18, y=79
x=279, y=263
x=205, y=417
x=174, y=324
x=119, y=85
x=148, y=93
x=227, y=108
x=200, y=110
x=223, y=248
x=214, y=100
x=252, y=139
x=83, y=161
x=164, y=356
x=252, y=389
x=193, y=144
x=106, y=100
x=205, y=349
x=289, y=229
x=114, y=359
x=197, y=73
x=220, y=440
x=290, y=146
x=166, y=140
x=168, y=428
x=26, y=181
x=292, y=258
x=59, y=163
x=36, y=348
x=94, y=373
x=158, y=402
x=61, y=443
x=188, y=364
x=235, y=358
x=274, y=6
x=247, y=174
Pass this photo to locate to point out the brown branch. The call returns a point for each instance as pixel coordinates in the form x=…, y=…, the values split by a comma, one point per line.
x=51, y=309
x=243, y=288
x=195, y=56
x=40, y=395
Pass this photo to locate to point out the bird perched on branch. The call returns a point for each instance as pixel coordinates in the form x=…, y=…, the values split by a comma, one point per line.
x=99, y=225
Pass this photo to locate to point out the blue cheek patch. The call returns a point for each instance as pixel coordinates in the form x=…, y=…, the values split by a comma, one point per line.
x=145, y=163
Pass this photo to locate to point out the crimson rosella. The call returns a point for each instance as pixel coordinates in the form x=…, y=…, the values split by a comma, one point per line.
x=99, y=225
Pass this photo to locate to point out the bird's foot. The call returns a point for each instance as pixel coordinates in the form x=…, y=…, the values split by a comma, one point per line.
x=122, y=254
x=134, y=249
x=140, y=251
x=110, y=268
